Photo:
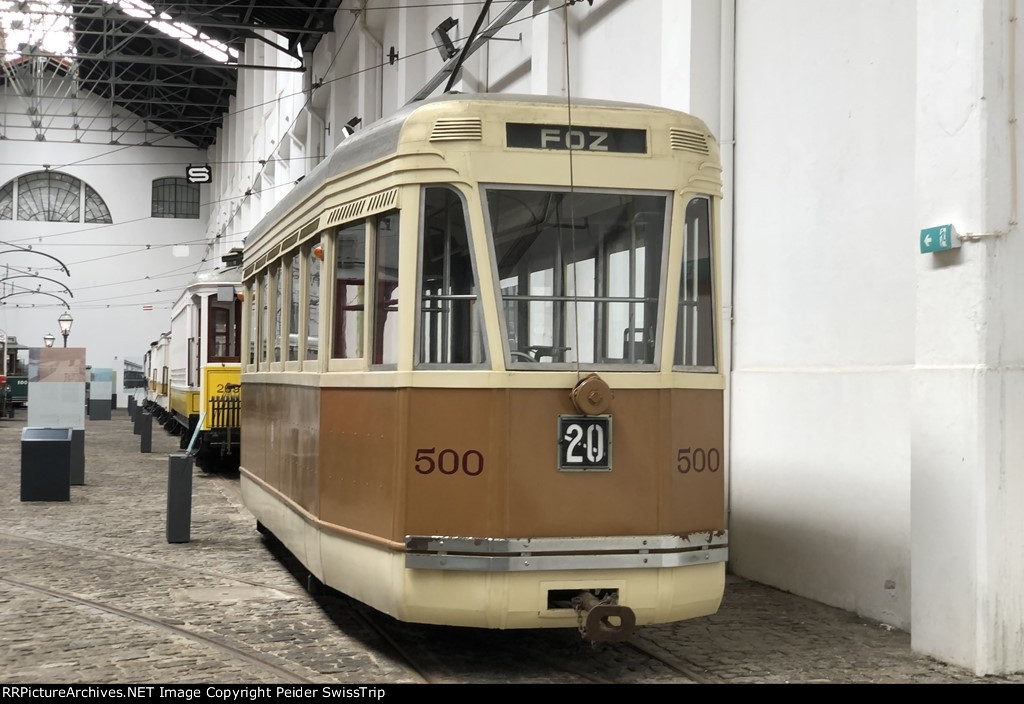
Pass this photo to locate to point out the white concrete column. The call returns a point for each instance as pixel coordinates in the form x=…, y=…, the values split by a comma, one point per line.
x=547, y=75
x=371, y=56
x=967, y=448
x=413, y=36
x=676, y=30
x=691, y=57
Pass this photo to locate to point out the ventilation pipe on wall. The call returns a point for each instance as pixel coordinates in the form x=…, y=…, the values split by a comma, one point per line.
x=727, y=146
x=371, y=80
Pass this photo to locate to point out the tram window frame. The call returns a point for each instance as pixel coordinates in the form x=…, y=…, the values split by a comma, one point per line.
x=251, y=323
x=293, y=264
x=232, y=332
x=386, y=341
x=601, y=331
x=475, y=345
x=341, y=310
x=21, y=362
x=697, y=215
x=263, y=359
x=277, y=315
x=312, y=278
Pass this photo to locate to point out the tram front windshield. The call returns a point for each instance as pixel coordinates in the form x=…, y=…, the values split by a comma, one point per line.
x=581, y=274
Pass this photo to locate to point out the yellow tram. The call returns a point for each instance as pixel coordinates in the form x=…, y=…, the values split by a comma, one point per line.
x=482, y=384
x=204, y=355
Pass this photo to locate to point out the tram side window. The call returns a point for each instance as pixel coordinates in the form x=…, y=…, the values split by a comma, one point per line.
x=580, y=275
x=314, y=257
x=695, y=331
x=293, y=308
x=275, y=311
x=276, y=276
x=450, y=331
x=265, y=316
x=220, y=337
x=385, y=284
x=349, y=291
x=192, y=368
x=253, y=321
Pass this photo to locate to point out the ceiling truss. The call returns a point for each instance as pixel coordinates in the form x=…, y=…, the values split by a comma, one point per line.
x=159, y=81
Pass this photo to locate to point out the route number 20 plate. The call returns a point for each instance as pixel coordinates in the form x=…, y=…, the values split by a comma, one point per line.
x=584, y=443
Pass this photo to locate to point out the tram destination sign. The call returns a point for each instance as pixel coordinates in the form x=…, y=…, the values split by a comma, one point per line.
x=519, y=135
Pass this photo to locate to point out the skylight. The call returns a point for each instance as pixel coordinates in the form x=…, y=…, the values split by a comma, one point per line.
x=36, y=25
x=184, y=33
x=45, y=26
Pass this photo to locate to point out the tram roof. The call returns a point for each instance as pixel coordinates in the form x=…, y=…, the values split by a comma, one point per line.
x=381, y=138
x=229, y=274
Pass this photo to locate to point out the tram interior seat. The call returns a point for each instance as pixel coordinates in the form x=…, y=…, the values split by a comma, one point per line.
x=537, y=353
x=634, y=347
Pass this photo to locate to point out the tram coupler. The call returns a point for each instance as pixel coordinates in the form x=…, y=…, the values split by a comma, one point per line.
x=602, y=620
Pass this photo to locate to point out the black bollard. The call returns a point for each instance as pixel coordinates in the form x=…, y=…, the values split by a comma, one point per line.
x=131, y=408
x=46, y=464
x=146, y=432
x=179, y=498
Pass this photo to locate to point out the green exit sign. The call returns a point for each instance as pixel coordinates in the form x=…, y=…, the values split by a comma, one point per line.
x=939, y=239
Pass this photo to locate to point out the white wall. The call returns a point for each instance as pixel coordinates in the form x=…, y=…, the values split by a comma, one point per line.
x=825, y=256
x=967, y=450
x=115, y=269
x=264, y=145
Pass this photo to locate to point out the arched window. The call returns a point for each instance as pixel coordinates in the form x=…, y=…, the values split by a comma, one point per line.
x=51, y=196
x=7, y=201
x=175, y=198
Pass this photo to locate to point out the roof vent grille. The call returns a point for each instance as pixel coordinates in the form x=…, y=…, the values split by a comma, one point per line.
x=450, y=129
x=687, y=140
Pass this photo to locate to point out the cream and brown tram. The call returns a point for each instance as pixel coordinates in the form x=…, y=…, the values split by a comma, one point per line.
x=483, y=385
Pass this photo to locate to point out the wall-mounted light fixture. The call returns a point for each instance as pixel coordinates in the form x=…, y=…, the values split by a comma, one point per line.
x=350, y=127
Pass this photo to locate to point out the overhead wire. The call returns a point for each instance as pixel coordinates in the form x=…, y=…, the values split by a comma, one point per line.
x=572, y=199
x=84, y=162
x=263, y=164
x=211, y=241
x=352, y=74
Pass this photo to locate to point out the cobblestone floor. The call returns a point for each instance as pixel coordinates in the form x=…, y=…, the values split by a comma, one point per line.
x=92, y=592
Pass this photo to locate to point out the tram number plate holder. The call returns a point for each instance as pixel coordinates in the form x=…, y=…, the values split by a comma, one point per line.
x=584, y=443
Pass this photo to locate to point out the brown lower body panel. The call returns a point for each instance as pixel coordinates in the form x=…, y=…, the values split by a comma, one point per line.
x=343, y=475
x=483, y=462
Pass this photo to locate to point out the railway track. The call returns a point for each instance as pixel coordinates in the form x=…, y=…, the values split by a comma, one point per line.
x=163, y=564
x=451, y=655
x=687, y=669
x=430, y=654
x=123, y=595
x=400, y=638
x=245, y=657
